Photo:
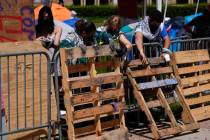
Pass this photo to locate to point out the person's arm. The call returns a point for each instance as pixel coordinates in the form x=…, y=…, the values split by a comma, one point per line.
x=166, y=42
x=58, y=31
x=139, y=44
x=125, y=42
x=166, y=38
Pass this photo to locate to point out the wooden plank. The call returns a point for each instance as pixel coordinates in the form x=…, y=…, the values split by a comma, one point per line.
x=191, y=56
x=89, y=112
x=100, y=79
x=167, y=108
x=197, y=89
x=86, y=67
x=156, y=103
x=67, y=95
x=92, y=97
x=195, y=79
x=90, y=129
x=201, y=113
x=17, y=21
x=193, y=69
x=151, y=61
x=198, y=100
x=74, y=53
x=151, y=72
x=157, y=84
x=179, y=129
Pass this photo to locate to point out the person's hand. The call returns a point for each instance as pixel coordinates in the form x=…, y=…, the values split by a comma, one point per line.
x=121, y=51
x=41, y=38
x=83, y=48
x=143, y=58
x=111, y=44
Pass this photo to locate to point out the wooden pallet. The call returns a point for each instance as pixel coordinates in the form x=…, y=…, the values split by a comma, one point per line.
x=92, y=106
x=192, y=71
x=151, y=83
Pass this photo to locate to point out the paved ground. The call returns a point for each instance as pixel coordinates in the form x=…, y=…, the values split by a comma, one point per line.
x=202, y=134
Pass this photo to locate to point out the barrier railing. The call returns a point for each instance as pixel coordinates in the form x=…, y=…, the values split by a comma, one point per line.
x=25, y=94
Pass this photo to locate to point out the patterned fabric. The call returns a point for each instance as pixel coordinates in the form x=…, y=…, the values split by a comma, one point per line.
x=72, y=39
x=143, y=27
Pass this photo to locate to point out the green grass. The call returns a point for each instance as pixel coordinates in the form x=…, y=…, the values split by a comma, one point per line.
x=99, y=21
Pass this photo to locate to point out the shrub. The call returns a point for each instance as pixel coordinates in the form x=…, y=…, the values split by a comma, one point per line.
x=108, y=10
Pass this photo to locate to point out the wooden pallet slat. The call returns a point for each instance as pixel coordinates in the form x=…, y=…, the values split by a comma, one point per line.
x=157, y=84
x=195, y=68
x=91, y=97
x=195, y=90
x=184, y=57
x=195, y=79
x=86, y=81
x=151, y=72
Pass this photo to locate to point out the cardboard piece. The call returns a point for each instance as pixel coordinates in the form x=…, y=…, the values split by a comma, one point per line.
x=16, y=20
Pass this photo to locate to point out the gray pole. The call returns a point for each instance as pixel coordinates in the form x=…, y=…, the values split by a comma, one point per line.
x=145, y=8
x=159, y=5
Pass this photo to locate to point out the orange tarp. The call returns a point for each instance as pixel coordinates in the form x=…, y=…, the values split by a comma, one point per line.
x=59, y=12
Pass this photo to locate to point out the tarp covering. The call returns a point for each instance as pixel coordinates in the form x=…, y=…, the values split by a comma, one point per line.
x=59, y=12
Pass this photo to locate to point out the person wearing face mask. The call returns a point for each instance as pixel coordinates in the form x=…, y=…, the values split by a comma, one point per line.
x=84, y=35
x=111, y=33
x=47, y=32
x=150, y=29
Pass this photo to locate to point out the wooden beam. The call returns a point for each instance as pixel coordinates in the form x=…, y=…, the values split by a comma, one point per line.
x=197, y=89
x=91, y=97
x=192, y=69
x=183, y=57
x=157, y=84
x=151, y=72
x=80, y=82
x=192, y=80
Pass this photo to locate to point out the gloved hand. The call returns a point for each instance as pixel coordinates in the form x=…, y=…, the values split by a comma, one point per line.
x=47, y=42
x=166, y=54
x=111, y=44
x=121, y=51
x=96, y=47
x=83, y=48
x=165, y=50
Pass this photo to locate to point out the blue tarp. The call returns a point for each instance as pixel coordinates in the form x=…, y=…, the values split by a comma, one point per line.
x=191, y=17
x=71, y=22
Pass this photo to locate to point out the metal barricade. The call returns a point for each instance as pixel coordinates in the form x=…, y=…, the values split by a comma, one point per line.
x=26, y=94
x=153, y=49
x=58, y=91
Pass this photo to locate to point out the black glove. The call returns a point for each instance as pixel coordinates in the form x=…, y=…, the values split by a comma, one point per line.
x=111, y=44
x=96, y=47
x=47, y=42
x=83, y=48
x=121, y=51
